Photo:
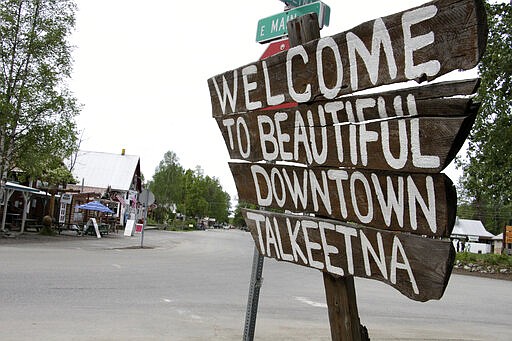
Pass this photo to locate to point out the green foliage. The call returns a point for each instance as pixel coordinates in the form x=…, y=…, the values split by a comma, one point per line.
x=238, y=219
x=493, y=216
x=161, y=215
x=484, y=259
x=486, y=182
x=37, y=111
x=167, y=181
x=180, y=225
x=189, y=192
x=58, y=175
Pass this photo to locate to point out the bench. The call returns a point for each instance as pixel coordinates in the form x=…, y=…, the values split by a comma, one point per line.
x=103, y=228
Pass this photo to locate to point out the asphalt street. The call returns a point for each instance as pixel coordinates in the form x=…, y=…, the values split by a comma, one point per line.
x=194, y=285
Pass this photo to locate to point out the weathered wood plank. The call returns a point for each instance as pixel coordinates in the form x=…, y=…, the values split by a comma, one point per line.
x=303, y=29
x=422, y=43
x=434, y=90
x=423, y=204
x=418, y=267
x=307, y=135
x=449, y=98
x=340, y=292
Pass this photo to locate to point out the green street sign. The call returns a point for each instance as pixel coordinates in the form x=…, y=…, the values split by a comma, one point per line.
x=274, y=27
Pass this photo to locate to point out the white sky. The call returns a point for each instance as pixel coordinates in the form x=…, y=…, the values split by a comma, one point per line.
x=141, y=70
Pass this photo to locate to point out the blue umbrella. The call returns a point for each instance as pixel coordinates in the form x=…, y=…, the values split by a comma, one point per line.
x=96, y=206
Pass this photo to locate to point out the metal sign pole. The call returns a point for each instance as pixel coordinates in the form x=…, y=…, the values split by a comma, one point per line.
x=144, y=222
x=254, y=295
x=148, y=198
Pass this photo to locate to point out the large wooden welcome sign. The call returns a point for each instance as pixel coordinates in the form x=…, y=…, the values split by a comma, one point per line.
x=358, y=174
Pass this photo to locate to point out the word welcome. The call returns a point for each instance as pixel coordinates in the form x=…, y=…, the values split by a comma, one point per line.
x=351, y=61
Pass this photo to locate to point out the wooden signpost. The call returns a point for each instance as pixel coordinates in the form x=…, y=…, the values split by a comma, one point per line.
x=421, y=44
x=507, y=235
x=360, y=172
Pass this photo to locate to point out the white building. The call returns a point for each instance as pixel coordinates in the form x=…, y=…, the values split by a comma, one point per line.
x=115, y=176
x=471, y=236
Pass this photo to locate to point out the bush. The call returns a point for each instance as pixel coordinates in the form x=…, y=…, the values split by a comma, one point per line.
x=485, y=259
x=180, y=225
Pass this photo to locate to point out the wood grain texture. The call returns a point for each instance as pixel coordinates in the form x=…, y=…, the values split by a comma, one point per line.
x=340, y=292
x=423, y=204
x=340, y=295
x=416, y=266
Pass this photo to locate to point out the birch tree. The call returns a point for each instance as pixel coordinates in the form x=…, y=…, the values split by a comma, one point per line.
x=37, y=109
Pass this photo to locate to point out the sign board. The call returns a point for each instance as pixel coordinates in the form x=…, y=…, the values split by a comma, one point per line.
x=66, y=198
x=507, y=238
x=397, y=259
x=366, y=166
x=128, y=229
x=275, y=47
x=92, y=223
x=420, y=44
x=473, y=238
x=274, y=27
x=146, y=197
x=139, y=228
x=413, y=130
x=423, y=204
x=62, y=212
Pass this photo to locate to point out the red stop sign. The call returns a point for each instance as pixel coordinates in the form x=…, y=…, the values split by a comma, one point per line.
x=275, y=47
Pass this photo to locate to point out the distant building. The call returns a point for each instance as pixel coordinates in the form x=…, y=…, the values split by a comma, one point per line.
x=471, y=236
x=114, y=178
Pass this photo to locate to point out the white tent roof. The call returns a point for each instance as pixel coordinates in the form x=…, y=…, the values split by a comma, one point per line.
x=21, y=188
x=101, y=170
x=467, y=227
x=498, y=237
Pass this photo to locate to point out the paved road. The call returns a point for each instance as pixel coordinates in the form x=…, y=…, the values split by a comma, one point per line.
x=193, y=286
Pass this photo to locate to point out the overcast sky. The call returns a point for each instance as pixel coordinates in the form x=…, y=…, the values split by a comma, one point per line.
x=141, y=70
